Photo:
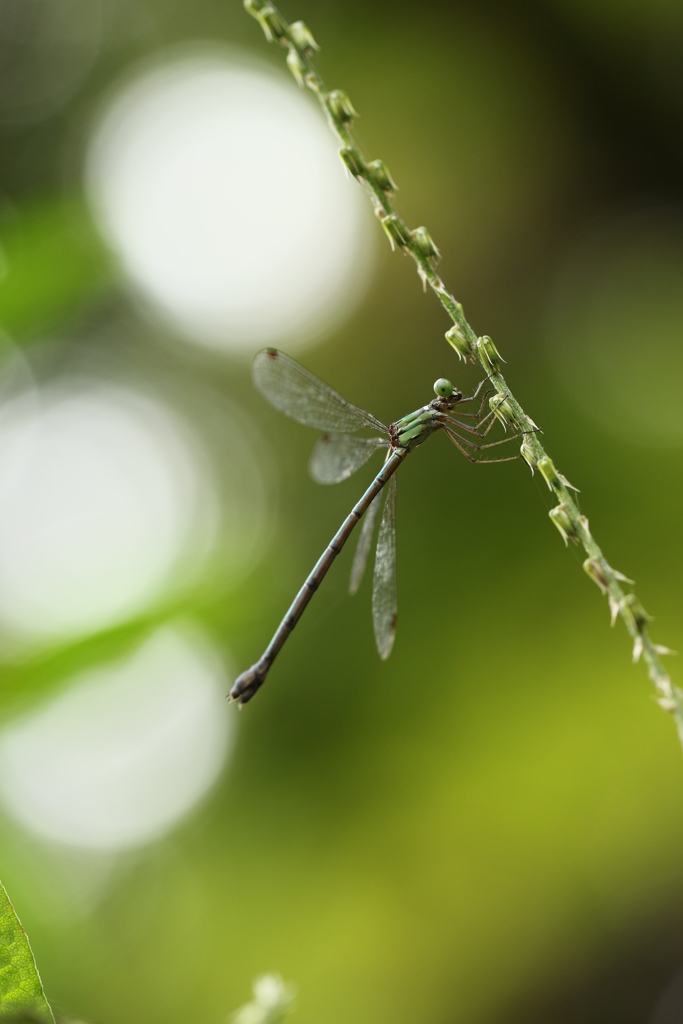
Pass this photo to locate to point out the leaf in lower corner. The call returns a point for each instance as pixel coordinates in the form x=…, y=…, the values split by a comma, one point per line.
x=21, y=990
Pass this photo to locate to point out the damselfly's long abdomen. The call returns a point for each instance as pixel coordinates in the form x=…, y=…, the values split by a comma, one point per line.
x=246, y=685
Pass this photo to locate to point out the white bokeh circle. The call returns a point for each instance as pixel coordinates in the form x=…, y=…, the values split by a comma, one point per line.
x=126, y=751
x=103, y=497
x=218, y=185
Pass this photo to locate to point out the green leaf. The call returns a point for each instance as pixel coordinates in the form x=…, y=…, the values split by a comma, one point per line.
x=21, y=990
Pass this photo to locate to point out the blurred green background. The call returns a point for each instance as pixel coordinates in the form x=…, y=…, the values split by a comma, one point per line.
x=487, y=828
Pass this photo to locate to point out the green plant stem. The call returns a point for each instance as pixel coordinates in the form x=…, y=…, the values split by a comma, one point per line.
x=300, y=45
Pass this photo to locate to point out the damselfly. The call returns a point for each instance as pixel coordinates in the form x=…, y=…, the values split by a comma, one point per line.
x=299, y=394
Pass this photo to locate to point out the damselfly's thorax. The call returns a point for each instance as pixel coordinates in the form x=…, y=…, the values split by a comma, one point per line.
x=413, y=429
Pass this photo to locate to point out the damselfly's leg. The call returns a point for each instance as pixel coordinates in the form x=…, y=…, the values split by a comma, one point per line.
x=467, y=427
x=460, y=443
x=491, y=444
x=452, y=421
x=473, y=398
x=492, y=417
x=476, y=416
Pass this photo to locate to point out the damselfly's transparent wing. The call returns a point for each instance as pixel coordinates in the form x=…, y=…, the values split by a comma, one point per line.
x=336, y=456
x=384, y=580
x=304, y=397
x=360, y=559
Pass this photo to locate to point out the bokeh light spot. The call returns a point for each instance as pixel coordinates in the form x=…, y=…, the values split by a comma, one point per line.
x=218, y=185
x=103, y=496
x=126, y=751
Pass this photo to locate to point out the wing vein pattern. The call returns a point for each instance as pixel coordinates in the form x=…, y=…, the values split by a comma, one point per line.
x=360, y=559
x=337, y=456
x=300, y=394
x=384, y=604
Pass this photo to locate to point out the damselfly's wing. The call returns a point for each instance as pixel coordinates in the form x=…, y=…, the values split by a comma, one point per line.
x=384, y=580
x=303, y=396
x=336, y=456
x=360, y=559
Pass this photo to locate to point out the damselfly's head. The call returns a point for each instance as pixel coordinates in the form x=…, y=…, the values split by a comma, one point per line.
x=446, y=395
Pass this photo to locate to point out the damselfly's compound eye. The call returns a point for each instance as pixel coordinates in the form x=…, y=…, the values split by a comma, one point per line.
x=443, y=388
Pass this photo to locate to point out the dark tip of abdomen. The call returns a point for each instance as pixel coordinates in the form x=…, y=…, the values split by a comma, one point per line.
x=247, y=685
